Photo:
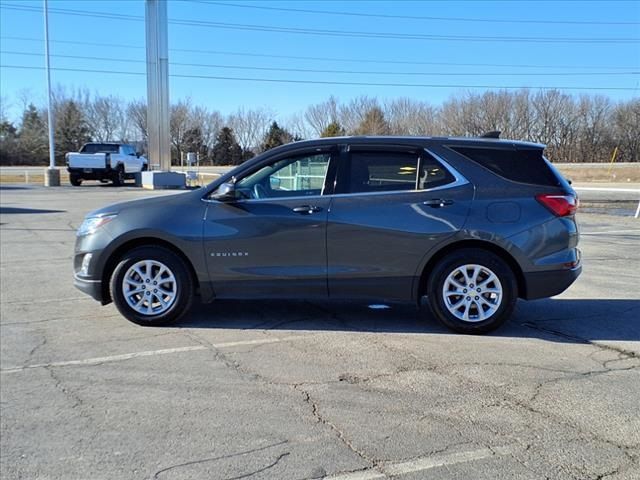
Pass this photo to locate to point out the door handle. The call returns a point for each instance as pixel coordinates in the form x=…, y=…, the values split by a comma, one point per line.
x=307, y=209
x=438, y=202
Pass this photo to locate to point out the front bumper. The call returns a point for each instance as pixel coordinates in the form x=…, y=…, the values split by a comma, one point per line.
x=93, y=288
x=549, y=283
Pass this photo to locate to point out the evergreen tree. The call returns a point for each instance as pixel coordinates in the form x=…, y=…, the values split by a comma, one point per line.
x=373, y=123
x=275, y=137
x=8, y=143
x=226, y=150
x=71, y=129
x=32, y=137
x=334, y=129
x=194, y=142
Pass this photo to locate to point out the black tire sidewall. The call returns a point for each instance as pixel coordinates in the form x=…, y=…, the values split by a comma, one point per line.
x=184, y=284
x=118, y=180
x=75, y=180
x=479, y=257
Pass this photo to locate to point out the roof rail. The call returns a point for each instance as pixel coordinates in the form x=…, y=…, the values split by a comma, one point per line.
x=491, y=134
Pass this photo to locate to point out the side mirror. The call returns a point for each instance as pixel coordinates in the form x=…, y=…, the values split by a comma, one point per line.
x=225, y=193
x=138, y=154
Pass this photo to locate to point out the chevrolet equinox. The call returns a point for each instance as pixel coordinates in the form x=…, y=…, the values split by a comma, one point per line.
x=472, y=224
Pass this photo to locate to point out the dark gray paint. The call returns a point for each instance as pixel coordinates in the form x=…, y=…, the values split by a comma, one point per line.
x=356, y=245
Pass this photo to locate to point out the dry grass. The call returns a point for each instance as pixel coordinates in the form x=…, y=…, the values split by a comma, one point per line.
x=601, y=173
x=34, y=178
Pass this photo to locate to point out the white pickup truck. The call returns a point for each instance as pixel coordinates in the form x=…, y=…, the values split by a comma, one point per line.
x=104, y=161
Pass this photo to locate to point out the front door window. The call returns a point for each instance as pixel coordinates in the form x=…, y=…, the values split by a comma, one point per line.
x=301, y=175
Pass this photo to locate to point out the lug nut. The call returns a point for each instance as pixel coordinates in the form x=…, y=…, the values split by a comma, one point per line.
x=464, y=291
x=468, y=298
x=478, y=290
x=477, y=298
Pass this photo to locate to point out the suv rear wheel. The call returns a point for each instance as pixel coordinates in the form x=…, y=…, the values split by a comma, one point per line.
x=152, y=286
x=472, y=291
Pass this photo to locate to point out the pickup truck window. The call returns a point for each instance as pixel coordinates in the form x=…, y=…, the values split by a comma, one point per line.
x=99, y=148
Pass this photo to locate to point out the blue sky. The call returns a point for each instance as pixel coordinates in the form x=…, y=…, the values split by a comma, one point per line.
x=593, y=62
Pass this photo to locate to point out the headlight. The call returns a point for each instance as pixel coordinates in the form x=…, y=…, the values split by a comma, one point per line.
x=91, y=224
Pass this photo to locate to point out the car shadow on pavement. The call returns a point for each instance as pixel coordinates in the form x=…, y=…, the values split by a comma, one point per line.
x=563, y=320
x=8, y=210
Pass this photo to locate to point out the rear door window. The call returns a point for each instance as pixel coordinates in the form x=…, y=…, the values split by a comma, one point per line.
x=378, y=170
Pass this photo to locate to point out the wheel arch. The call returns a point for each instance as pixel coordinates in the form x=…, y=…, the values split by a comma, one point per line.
x=112, y=261
x=423, y=283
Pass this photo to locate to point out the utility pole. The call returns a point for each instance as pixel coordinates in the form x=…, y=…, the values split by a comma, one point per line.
x=51, y=174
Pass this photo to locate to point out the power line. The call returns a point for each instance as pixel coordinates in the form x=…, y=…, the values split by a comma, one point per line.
x=342, y=33
x=321, y=82
x=328, y=59
x=414, y=17
x=312, y=70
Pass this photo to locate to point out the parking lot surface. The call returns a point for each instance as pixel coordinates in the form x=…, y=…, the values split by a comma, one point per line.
x=301, y=390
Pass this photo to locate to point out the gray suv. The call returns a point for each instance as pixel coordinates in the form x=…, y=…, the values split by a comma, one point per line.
x=470, y=223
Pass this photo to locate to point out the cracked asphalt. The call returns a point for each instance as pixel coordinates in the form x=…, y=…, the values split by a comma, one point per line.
x=302, y=390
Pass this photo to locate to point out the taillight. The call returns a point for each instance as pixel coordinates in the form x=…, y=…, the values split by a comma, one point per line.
x=560, y=205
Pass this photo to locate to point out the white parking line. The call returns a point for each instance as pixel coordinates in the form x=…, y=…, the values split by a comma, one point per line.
x=148, y=353
x=425, y=463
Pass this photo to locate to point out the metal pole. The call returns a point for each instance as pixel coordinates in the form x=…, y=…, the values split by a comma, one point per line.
x=51, y=175
x=52, y=155
x=156, y=24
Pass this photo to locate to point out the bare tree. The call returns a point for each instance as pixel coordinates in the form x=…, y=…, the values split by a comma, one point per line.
x=410, y=117
x=626, y=118
x=319, y=116
x=250, y=126
x=137, y=114
x=107, y=118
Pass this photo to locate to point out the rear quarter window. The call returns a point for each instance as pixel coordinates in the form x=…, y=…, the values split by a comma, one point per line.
x=523, y=166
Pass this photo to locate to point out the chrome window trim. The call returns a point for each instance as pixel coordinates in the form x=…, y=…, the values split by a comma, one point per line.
x=459, y=180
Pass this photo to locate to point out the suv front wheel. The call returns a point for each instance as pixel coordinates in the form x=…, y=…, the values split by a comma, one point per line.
x=472, y=291
x=152, y=286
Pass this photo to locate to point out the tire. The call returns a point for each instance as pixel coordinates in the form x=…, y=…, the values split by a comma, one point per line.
x=467, y=312
x=75, y=180
x=118, y=178
x=141, y=304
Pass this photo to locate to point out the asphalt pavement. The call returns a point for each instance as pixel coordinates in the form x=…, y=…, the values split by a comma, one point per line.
x=302, y=390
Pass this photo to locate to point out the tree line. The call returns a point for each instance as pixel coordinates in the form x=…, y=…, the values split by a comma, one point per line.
x=585, y=128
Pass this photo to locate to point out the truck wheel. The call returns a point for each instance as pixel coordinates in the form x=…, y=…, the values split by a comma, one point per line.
x=75, y=180
x=118, y=178
x=472, y=291
x=152, y=286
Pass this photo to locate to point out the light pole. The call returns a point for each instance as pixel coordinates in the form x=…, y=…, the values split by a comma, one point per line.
x=51, y=174
x=156, y=27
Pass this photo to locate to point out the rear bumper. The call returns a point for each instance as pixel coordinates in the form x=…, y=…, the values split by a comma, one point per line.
x=91, y=173
x=93, y=288
x=549, y=283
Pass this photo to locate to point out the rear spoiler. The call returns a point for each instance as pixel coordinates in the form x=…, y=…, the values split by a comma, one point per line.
x=491, y=134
